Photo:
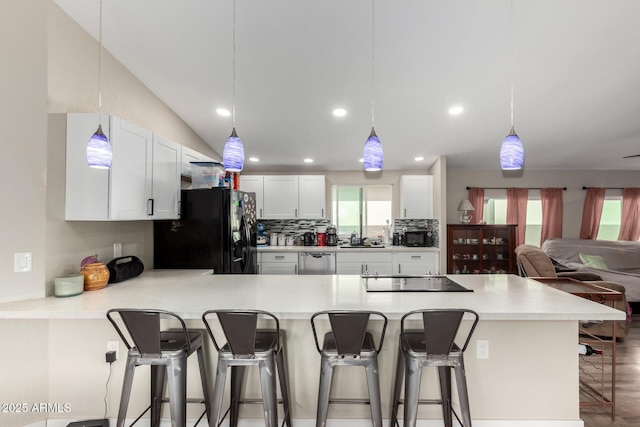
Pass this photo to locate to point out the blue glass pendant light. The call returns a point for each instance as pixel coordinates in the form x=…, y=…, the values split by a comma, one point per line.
x=512, y=151
x=99, y=153
x=233, y=153
x=373, y=155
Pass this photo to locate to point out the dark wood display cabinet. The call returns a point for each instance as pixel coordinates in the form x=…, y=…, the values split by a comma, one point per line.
x=481, y=249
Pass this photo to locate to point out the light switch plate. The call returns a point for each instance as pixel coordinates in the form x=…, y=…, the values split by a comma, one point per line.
x=22, y=262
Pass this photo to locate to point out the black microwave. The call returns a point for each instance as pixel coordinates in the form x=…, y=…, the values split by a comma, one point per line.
x=418, y=238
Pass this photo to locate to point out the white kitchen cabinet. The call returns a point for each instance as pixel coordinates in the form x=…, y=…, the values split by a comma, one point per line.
x=279, y=263
x=280, y=197
x=254, y=184
x=362, y=262
x=189, y=155
x=165, y=187
x=415, y=263
x=311, y=196
x=416, y=201
x=138, y=186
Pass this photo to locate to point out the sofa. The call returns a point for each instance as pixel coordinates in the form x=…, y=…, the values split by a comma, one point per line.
x=615, y=261
x=533, y=262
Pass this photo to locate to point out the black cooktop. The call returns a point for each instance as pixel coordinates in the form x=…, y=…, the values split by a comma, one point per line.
x=399, y=283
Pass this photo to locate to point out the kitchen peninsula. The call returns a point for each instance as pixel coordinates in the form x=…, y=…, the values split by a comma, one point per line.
x=530, y=377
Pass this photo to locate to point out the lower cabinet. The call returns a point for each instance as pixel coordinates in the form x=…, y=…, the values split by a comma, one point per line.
x=415, y=263
x=364, y=262
x=278, y=263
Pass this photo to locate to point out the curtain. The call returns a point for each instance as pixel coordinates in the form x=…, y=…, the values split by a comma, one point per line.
x=476, y=197
x=517, y=211
x=551, y=199
x=630, y=225
x=591, y=213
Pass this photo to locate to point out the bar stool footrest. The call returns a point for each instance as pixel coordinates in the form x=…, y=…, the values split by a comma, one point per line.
x=351, y=401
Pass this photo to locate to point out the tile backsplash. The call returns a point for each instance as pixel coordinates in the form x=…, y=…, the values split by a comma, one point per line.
x=298, y=227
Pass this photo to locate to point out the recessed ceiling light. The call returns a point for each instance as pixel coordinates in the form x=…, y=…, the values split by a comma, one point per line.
x=223, y=112
x=361, y=160
x=454, y=111
x=339, y=112
x=419, y=159
x=308, y=160
x=254, y=159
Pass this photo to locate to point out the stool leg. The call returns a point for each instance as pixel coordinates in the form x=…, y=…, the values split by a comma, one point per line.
x=218, y=392
x=206, y=391
x=397, y=388
x=373, y=384
x=237, y=378
x=413, y=374
x=177, y=380
x=269, y=397
x=284, y=384
x=326, y=374
x=126, y=390
x=157, y=387
x=444, y=374
x=463, y=395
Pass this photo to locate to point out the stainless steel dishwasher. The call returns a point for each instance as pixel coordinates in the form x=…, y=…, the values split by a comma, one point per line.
x=316, y=263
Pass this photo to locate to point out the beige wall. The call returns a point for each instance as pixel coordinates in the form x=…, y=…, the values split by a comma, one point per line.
x=73, y=87
x=458, y=180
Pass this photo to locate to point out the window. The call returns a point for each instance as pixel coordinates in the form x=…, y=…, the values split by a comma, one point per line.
x=495, y=212
x=363, y=209
x=610, y=219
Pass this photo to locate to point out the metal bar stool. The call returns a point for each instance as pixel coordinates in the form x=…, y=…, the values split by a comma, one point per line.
x=166, y=352
x=434, y=345
x=348, y=344
x=249, y=345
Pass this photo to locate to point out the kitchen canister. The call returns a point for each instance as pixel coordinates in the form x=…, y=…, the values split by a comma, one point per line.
x=68, y=286
x=291, y=240
x=282, y=240
x=273, y=239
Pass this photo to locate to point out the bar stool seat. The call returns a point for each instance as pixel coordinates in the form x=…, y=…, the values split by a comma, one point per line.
x=348, y=343
x=248, y=345
x=166, y=351
x=434, y=345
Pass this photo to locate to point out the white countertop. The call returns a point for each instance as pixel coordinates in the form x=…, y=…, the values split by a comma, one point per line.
x=190, y=292
x=345, y=250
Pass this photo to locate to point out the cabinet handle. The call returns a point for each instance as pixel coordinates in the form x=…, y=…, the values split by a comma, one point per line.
x=361, y=268
x=279, y=256
x=179, y=208
x=260, y=212
x=150, y=207
x=405, y=213
x=295, y=213
x=322, y=213
x=416, y=256
x=295, y=269
x=399, y=268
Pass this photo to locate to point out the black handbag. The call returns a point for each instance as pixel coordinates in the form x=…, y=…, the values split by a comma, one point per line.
x=123, y=268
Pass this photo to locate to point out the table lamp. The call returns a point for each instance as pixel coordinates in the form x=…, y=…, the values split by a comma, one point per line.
x=465, y=206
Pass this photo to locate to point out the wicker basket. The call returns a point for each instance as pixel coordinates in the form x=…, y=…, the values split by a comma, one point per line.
x=96, y=276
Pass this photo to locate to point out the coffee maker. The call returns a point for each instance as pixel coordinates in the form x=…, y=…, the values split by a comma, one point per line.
x=332, y=236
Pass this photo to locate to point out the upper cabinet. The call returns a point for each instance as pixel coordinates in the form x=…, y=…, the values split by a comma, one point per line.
x=189, y=155
x=254, y=184
x=416, y=200
x=311, y=196
x=287, y=196
x=144, y=179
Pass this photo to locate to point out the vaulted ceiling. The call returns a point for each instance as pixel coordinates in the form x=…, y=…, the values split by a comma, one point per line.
x=576, y=76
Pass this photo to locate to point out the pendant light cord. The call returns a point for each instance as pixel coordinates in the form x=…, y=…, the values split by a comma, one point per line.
x=233, y=96
x=512, y=55
x=100, y=61
x=373, y=102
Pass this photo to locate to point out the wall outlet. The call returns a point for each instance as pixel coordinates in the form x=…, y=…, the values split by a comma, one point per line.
x=117, y=250
x=482, y=348
x=22, y=262
x=114, y=346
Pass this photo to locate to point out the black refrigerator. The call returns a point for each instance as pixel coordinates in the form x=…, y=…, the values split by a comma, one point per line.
x=216, y=229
